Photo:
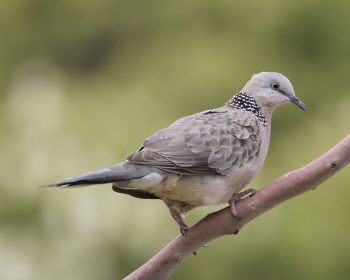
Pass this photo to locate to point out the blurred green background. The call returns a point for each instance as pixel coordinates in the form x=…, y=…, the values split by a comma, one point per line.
x=82, y=83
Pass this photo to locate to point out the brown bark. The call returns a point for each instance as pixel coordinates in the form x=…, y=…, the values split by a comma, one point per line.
x=222, y=222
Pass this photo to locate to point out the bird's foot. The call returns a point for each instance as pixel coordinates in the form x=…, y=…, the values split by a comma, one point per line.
x=250, y=192
x=177, y=217
x=238, y=196
x=183, y=230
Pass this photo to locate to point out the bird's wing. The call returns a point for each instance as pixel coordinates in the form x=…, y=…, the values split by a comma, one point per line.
x=210, y=142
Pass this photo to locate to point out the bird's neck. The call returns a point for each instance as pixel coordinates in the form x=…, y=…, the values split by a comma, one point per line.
x=244, y=101
x=267, y=111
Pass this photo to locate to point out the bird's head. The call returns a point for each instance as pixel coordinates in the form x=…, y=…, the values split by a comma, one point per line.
x=272, y=89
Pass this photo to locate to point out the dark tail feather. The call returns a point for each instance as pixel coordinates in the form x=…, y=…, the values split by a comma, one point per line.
x=101, y=176
x=122, y=172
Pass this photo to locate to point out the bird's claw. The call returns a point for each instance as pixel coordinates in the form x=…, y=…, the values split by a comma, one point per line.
x=252, y=192
x=235, y=214
x=238, y=196
x=183, y=230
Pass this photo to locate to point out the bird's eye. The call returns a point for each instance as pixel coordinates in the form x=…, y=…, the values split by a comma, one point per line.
x=275, y=86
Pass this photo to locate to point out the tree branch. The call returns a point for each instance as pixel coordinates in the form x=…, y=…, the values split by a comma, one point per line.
x=222, y=222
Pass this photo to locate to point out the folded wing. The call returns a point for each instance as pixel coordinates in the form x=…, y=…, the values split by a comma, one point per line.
x=210, y=142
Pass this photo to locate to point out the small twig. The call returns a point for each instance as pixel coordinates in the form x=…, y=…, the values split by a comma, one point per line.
x=222, y=222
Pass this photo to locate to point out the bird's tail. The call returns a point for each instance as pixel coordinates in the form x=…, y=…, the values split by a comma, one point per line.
x=124, y=171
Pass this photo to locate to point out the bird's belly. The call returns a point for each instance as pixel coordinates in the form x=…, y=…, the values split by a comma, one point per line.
x=204, y=189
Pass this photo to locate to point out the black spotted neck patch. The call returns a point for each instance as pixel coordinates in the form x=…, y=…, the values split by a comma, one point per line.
x=244, y=101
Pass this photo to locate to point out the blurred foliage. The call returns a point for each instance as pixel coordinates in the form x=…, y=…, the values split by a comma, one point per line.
x=82, y=83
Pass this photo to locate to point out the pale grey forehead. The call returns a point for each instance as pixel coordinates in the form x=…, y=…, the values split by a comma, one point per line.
x=266, y=78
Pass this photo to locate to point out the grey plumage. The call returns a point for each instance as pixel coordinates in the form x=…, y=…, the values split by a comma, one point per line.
x=124, y=171
x=210, y=142
x=204, y=158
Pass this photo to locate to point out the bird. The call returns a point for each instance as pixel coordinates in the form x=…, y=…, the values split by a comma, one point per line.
x=202, y=159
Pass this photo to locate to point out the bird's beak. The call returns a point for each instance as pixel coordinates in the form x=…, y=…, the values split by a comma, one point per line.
x=297, y=101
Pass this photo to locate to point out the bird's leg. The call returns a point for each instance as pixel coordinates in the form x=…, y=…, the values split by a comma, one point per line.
x=177, y=217
x=238, y=196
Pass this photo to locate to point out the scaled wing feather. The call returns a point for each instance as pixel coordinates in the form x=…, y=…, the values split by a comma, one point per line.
x=210, y=142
